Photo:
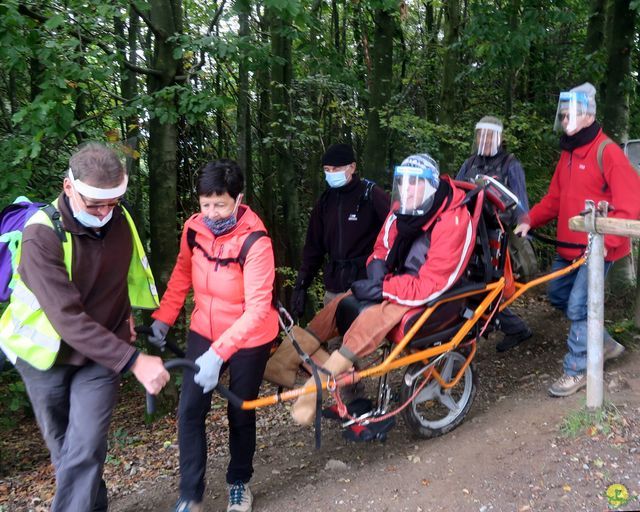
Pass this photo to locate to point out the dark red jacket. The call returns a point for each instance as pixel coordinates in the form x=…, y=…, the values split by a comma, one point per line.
x=578, y=177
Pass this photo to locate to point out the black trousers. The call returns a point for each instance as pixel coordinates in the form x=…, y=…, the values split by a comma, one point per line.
x=246, y=368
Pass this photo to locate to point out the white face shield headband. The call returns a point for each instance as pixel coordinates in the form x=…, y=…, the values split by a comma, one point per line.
x=98, y=193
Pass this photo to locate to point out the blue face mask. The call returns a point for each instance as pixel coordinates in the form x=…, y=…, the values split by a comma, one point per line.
x=221, y=226
x=336, y=179
x=88, y=220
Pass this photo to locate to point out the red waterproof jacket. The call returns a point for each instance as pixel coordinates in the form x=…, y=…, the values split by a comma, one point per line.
x=448, y=242
x=233, y=307
x=578, y=177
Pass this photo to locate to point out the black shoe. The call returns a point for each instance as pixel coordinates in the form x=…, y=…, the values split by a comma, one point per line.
x=513, y=340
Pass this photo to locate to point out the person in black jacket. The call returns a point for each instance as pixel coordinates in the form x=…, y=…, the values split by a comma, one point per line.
x=342, y=230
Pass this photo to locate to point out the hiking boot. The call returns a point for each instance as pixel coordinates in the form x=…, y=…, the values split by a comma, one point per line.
x=282, y=366
x=513, y=340
x=240, y=498
x=568, y=384
x=185, y=505
x=612, y=349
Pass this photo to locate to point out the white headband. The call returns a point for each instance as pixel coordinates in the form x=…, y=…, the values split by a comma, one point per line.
x=99, y=193
x=489, y=126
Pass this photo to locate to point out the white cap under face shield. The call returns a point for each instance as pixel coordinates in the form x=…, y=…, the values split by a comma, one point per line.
x=415, y=182
x=573, y=106
x=488, y=138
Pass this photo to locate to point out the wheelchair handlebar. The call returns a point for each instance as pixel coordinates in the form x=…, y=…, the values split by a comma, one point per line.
x=182, y=362
x=233, y=399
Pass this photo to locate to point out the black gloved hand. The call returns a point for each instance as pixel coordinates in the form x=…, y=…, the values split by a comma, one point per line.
x=367, y=289
x=298, y=302
x=376, y=270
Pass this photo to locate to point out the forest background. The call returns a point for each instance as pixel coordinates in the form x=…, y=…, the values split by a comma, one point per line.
x=174, y=83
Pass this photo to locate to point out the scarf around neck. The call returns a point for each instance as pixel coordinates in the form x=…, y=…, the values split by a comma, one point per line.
x=410, y=228
x=581, y=138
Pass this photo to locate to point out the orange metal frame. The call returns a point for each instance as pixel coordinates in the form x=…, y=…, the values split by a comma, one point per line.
x=394, y=359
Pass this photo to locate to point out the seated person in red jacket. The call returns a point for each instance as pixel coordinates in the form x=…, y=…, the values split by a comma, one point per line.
x=418, y=255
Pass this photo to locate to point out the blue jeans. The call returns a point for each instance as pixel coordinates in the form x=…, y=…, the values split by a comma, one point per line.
x=569, y=293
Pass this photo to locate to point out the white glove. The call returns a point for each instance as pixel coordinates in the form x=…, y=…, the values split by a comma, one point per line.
x=160, y=330
x=210, y=363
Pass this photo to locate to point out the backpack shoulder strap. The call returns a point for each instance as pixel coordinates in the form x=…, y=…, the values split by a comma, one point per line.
x=599, y=157
x=54, y=215
x=246, y=245
x=191, y=238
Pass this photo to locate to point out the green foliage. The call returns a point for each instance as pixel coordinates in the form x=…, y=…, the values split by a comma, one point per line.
x=591, y=421
x=14, y=402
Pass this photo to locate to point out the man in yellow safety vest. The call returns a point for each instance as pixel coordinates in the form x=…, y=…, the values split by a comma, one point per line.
x=68, y=327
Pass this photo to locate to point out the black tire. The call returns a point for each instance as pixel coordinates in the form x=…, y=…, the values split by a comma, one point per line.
x=427, y=416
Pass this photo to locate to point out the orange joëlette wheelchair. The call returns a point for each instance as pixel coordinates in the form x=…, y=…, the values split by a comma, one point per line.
x=434, y=345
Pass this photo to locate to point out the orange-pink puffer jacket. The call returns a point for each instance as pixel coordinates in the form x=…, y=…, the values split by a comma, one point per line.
x=233, y=307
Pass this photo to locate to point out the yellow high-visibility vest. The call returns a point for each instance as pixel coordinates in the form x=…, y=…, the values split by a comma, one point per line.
x=25, y=330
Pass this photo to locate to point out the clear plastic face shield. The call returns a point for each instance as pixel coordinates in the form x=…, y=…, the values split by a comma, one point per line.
x=487, y=140
x=413, y=189
x=573, y=107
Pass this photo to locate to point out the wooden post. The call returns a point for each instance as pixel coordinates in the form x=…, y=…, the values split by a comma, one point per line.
x=597, y=224
x=595, y=311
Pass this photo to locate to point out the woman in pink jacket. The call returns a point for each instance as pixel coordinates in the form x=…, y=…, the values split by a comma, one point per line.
x=232, y=326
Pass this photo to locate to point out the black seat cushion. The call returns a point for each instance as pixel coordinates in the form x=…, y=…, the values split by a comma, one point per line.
x=348, y=309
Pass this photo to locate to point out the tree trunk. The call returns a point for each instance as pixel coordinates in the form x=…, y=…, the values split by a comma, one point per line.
x=448, y=91
x=244, y=116
x=380, y=88
x=618, y=69
x=130, y=124
x=288, y=232
x=166, y=15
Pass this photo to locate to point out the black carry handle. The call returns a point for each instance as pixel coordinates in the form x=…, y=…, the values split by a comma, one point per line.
x=171, y=345
x=234, y=400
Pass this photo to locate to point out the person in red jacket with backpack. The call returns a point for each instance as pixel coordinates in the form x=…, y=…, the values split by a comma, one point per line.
x=232, y=326
x=592, y=167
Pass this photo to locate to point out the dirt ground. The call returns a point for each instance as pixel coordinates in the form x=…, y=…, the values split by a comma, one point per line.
x=508, y=455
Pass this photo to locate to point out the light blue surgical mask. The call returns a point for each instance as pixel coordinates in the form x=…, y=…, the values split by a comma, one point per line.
x=91, y=221
x=88, y=220
x=336, y=179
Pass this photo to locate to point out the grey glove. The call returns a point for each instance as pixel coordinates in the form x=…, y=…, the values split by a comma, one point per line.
x=210, y=363
x=160, y=330
x=367, y=289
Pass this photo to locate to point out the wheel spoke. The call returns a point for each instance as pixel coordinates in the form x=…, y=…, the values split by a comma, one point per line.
x=447, y=370
x=429, y=392
x=447, y=400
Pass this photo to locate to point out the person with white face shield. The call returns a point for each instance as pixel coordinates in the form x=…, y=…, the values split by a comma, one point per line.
x=418, y=255
x=489, y=157
x=592, y=167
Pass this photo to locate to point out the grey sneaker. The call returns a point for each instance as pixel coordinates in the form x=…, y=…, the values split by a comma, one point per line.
x=612, y=349
x=185, y=505
x=568, y=384
x=240, y=498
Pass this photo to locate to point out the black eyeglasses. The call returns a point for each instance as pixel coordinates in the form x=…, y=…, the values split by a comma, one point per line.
x=97, y=207
x=562, y=117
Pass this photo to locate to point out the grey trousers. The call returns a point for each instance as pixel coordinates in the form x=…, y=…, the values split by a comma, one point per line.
x=73, y=407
